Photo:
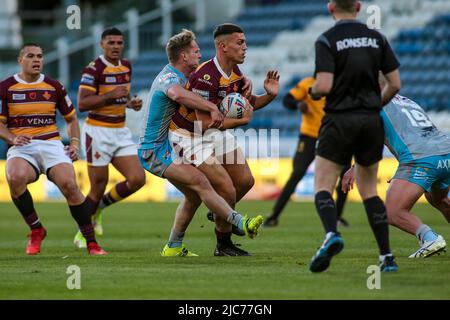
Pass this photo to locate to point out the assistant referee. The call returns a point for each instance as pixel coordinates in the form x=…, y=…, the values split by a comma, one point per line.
x=349, y=57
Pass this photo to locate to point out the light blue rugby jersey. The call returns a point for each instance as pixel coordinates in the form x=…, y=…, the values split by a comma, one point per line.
x=410, y=134
x=160, y=108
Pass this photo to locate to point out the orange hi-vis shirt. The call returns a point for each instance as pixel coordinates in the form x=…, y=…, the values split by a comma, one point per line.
x=30, y=108
x=311, y=121
x=101, y=77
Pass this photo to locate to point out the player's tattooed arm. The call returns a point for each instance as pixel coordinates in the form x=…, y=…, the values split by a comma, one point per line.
x=194, y=101
x=89, y=100
x=272, y=87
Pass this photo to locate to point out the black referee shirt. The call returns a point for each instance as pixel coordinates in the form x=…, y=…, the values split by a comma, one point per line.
x=355, y=54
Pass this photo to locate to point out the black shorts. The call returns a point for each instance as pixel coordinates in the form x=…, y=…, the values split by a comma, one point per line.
x=347, y=134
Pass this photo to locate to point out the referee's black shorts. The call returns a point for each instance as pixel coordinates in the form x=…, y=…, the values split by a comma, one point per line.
x=353, y=133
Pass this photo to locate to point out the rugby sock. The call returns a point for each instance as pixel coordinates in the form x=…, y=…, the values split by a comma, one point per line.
x=26, y=207
x=175, y=239
x=119, y=192
x=223, y=237
x=327, y=211
x=376, y=213
x=92, y=205
x=236, y=220
x=425, y=234
x=82, y=216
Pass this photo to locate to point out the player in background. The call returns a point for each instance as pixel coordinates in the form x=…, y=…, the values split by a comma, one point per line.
x=217, y=154
x=28, y=104
x=161, y=159
x=105, y=93
x=423, y=153
x=349, y=57
x=312, y=113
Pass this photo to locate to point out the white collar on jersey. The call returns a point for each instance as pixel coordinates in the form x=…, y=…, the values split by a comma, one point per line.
x=109, y=64
x=216, y=62
x=20, y=80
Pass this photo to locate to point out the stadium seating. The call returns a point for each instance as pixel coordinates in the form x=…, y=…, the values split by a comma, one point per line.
x=424, y=54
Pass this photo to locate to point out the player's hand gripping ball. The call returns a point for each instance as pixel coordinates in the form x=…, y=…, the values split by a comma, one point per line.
x=233, y=106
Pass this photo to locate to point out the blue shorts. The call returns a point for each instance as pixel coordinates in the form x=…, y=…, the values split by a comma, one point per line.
x=156, y=160
x=427, y=172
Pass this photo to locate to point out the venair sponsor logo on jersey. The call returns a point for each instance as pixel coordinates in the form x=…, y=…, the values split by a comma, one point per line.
x=362, y=42
x=17, y=96
x=32, y=121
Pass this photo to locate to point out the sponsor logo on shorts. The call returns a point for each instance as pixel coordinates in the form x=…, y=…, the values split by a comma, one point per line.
x=444, y=164
x=421, y=173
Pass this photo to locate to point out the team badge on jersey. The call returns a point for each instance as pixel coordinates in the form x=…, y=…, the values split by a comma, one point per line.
x=47, y=95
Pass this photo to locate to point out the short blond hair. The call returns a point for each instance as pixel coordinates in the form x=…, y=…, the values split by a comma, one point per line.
x=178, y=43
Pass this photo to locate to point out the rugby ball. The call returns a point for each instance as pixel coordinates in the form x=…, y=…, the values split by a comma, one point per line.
x=233, y=106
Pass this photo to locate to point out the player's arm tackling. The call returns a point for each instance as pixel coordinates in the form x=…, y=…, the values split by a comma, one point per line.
x=194, y=101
